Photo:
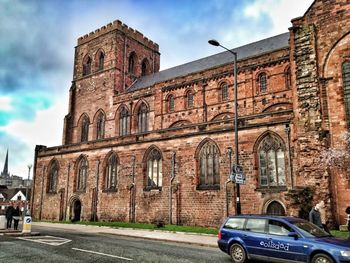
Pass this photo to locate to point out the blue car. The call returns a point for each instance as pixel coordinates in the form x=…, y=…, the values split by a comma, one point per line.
x=280, y=239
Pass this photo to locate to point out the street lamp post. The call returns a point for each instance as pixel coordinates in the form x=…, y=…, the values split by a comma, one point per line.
x=216, y=43
x=27, y=203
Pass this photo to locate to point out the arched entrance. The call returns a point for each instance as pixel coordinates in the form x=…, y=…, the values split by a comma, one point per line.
x=275, y=208
x=76, y=210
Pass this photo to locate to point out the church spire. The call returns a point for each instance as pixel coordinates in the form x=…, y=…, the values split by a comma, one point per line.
x=5, y=172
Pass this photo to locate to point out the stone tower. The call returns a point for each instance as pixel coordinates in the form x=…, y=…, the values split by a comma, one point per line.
x=107, y=62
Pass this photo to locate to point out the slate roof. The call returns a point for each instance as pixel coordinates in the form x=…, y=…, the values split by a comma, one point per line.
x=11, y=192
x=250, y=50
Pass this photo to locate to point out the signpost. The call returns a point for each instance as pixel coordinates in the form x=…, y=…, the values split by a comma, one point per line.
x=237, y=175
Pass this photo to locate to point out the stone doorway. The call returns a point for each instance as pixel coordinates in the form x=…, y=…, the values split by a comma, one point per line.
x=276, y=209
x=76, y=205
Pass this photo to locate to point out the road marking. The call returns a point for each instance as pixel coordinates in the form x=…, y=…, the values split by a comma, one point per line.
x=48, y=240
x=99, y=253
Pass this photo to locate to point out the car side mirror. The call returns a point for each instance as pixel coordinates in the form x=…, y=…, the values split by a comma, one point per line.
x=293, y=234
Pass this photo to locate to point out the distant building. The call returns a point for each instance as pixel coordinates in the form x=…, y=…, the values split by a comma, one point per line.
x=13, y=181
x=14, y=197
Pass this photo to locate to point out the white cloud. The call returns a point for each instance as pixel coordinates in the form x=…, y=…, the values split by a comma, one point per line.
x=281, y=12
x=5, y=103
x=46, y=129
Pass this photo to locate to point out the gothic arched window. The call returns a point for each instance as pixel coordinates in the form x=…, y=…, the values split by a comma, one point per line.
x=189, y=99
x=82, y=174
x=85, y=129
x=171, y=103
x=53, y=176
x=272, y=170
x=154, y=170
x=209, y=177
x=101, y=61
x=111, y=172
x=124, y=122
x=87, y=66
x=224, y=91
x=262, y=82
x=288, y=77
x=100, y=126
x=144, y=67
x=142, y=117
x=131, y=65
x=346, y=88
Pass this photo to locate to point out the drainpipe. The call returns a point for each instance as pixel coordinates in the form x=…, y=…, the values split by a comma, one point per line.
x=226, y=195
x=96, y=193
x=229, y=155
x=205, y=108
x=133, y=192
x=290, y=167
x=172, y=177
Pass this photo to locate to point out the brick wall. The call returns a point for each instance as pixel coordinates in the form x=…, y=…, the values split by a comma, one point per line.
x=258, y=113
x=320, y=46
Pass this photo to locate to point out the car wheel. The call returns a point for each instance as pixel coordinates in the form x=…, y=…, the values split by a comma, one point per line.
x=322, y=258
x=237, y=253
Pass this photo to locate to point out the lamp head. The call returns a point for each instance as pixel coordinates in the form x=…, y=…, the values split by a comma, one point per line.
x=214, y=42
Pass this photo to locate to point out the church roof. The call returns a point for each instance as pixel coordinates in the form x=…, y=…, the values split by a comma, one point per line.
x=11, y=192
x=244, y=52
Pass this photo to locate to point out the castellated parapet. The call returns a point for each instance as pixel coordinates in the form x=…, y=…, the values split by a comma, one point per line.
x=120, y=26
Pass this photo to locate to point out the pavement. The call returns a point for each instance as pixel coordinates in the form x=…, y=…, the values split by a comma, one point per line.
x=178, y=237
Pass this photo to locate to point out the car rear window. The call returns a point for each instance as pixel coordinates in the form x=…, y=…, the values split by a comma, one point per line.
x=234, y=223
x=256, y=225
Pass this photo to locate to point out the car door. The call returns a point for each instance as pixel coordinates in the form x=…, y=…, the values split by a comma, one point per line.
x=255, y=233
x=232, y=229
x=281, y=245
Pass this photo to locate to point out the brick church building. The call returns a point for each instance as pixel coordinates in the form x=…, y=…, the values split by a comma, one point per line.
x=142, y=145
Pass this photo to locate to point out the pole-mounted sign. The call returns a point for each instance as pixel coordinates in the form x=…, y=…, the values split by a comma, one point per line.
x=237, y=175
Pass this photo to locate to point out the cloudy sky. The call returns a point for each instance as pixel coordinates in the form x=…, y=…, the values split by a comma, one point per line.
x=37, y=40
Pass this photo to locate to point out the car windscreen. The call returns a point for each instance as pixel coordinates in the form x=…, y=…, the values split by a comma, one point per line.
x=310, y=230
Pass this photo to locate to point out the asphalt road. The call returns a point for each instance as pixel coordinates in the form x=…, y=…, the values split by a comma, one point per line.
x=62, y=246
